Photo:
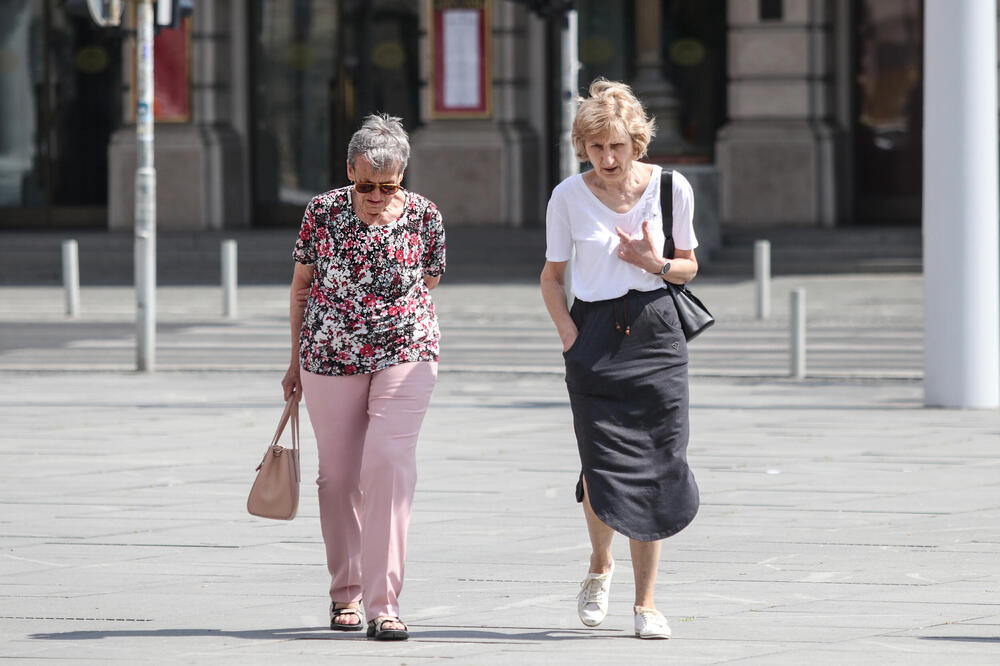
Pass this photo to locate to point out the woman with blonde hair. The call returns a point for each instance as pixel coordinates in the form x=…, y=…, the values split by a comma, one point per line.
x=624, y=350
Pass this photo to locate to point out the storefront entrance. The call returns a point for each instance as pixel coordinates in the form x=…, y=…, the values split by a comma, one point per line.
x=888, y=126
x=318, y=68
x=60, y=86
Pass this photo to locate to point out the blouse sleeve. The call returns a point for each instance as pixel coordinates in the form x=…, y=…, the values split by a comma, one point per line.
x=558, y=236
x=683, y=228
x=305, y=246
x=433, y=261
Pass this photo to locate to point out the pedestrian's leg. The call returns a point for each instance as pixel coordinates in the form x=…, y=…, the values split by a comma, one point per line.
x=397, y=403
x=600, y=537
x=592, y=601
x=338, y=410
x=645, y=560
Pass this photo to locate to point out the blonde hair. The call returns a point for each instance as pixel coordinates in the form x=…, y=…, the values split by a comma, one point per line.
x=611, y=106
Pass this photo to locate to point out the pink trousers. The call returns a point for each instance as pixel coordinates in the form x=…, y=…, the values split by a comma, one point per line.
x=366, y=431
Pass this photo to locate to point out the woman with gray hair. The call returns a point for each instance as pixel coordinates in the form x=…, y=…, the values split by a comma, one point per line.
x=364, y=354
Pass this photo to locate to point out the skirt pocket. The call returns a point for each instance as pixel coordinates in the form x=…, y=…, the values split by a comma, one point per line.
x=580, y=321
x=666, y=312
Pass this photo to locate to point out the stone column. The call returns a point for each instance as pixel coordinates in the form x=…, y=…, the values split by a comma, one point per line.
x=777, y=153
x=960, y=206
x=202, y=179
x=655, y=91
x=485, y=171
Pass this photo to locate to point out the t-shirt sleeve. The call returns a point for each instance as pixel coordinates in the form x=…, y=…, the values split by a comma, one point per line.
x=558, y=235
x=305, y=246
x=433, y=261
x=683, y=227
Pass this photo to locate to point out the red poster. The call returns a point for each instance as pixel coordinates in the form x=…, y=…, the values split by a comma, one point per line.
x=172, y=73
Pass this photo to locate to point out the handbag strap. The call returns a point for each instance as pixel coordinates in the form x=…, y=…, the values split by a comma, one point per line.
x=667, y=210
x=291, y=413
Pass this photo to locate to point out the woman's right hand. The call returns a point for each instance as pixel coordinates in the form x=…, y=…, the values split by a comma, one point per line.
x=292, y=382
x=568, y=339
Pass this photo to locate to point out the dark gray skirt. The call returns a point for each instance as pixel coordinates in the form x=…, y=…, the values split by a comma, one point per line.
x=629, y=395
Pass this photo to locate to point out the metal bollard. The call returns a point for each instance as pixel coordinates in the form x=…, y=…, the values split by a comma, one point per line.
x=762, y=277
x=797, y=322
x=229, y=278
x=71, y=277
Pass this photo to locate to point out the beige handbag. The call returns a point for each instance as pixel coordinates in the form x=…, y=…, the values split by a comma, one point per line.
x=275, y=492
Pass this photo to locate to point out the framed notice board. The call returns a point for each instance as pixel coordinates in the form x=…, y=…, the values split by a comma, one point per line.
x=460, y=48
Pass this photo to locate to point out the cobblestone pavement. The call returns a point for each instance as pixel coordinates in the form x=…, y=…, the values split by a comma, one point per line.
x=841, y=522
x=859, y=326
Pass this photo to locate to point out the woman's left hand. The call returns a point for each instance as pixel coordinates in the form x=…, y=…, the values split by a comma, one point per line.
x=640, y=251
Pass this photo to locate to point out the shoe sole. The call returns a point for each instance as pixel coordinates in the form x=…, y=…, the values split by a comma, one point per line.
x=389, y=635
x=652, y=637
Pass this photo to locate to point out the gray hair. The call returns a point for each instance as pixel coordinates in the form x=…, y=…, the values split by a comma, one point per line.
x=382, y=141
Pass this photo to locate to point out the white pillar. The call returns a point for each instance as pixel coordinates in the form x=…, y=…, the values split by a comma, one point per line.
x=145, y=194
x=762, y=277
x=569, y=164
x=71, y=277
x=797, y=333
x=229, y=278
x=960, y=205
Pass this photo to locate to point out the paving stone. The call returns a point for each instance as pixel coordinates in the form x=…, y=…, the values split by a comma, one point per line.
x=840, y=523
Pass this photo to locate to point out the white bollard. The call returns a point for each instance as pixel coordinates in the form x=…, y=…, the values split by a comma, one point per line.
x=71, y=277
x=797, y=321
x=762, y=276
x=229, y=278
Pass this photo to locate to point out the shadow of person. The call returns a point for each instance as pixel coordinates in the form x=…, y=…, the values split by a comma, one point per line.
x=251, y=634
x=430, y=633
x=963, y=639
x=497, y=634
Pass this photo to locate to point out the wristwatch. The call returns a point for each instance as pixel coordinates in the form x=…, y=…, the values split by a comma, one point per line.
x=663, y=271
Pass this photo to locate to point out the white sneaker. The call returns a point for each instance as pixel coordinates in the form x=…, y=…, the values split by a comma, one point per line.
x=592, y=602
x=650, y=623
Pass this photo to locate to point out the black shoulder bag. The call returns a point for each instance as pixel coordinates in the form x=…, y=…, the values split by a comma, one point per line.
x=693, y=314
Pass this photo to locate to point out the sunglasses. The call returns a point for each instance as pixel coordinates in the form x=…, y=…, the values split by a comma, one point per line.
x=384, y=188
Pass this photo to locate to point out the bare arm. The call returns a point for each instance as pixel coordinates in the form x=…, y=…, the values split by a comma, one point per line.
x=301, y=279
x=640, y=252
x=432, y=281
x=553, y=283
x=683, y=267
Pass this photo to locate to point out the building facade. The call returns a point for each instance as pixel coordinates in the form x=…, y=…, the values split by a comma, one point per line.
x=781, y=112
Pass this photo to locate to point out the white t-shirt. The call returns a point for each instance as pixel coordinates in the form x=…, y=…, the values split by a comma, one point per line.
x=577, y=218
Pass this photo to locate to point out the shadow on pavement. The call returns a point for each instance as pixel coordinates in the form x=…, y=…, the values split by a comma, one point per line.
x=963, y=639
x=322, y=633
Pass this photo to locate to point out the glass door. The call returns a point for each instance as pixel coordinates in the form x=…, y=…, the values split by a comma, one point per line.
x=60, y=92
x=888, y=126
x=318, y=68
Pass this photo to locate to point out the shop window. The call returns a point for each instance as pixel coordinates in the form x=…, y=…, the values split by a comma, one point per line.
x=319, y=67
x=60, y=92
x=888, y=126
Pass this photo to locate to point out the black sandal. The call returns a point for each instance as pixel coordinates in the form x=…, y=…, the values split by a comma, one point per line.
x=336, y=613
x=376, y=631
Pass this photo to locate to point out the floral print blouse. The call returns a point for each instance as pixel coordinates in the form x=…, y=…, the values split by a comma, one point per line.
x=368, y=307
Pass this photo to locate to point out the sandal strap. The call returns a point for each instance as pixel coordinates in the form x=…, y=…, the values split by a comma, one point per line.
x=337, y=612
x=382, y=619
